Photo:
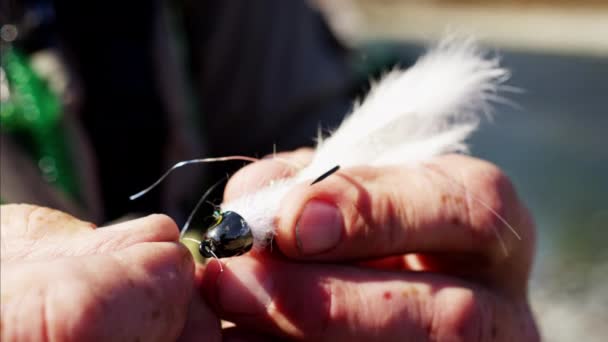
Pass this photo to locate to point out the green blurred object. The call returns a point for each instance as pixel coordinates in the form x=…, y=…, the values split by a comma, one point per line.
x=32, y=114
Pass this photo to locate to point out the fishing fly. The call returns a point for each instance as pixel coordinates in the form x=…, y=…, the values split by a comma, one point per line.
x=408, y=117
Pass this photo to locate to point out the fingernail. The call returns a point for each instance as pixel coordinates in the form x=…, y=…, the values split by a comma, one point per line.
x=241, y=291
x=319, y=228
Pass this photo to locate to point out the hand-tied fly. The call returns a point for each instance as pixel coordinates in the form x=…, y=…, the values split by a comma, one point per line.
x=408, y=117
x=229, y=235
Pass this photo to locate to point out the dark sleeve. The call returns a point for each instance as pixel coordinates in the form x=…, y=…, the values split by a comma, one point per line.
x=264, y=71
x=110, y=44
x=267, y=72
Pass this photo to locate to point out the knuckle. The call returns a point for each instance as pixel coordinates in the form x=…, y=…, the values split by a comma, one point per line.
x=158, y=228
x=398, y=217
x=493, y=199
x=39, y=220
x=490, y=177
x=496, y=217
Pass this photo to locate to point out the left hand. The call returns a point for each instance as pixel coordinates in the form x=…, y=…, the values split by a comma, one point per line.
x=390, y=253
x=64, y=280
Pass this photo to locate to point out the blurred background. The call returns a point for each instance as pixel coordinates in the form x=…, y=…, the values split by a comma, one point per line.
x=99, y=99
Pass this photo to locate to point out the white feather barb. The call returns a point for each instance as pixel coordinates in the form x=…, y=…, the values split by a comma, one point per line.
x=408, y=116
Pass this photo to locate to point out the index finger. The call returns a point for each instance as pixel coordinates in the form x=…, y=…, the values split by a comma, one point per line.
x=258, y=175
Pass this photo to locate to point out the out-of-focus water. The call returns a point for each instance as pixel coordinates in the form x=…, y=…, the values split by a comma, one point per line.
x=553, y=144
x=555, y=149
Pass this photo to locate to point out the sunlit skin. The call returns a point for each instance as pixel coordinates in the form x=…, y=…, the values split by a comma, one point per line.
x=414, y=257
x=64, y=280
x=455, y=284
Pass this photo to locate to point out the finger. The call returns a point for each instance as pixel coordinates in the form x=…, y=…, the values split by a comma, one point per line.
x=152, y=228
x=341, y=303
x=375, y=212
x=260, y=174
x=147, y=292
x=79, y=241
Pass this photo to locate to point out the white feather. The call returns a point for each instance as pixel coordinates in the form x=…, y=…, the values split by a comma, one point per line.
x=259, y=210
x=409, y=116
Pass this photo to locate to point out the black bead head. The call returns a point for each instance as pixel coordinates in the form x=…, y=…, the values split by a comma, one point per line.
x=230, y=236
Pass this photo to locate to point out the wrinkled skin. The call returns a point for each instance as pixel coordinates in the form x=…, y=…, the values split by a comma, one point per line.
x=415, y=254
x=64, y=280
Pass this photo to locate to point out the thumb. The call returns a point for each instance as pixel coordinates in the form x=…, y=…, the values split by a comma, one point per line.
x=141, y=292
x=151, y=287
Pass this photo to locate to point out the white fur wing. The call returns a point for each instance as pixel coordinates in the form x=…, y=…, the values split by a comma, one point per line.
x=408, y=116
x=259, y=210
x=415, y=114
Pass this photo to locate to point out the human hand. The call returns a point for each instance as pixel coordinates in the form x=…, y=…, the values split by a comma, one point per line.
x=389, y=253
x=62, y=279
